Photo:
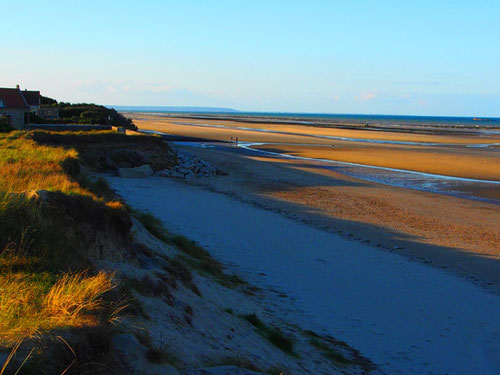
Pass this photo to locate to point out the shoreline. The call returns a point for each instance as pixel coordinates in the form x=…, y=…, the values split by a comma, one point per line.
x=367, y=212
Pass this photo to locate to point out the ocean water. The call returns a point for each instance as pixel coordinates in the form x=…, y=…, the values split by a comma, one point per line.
x=357, y=119
x=379, y=119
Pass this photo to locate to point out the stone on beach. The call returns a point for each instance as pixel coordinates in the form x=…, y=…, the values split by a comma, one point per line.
x=189, y=167
x=137, y=172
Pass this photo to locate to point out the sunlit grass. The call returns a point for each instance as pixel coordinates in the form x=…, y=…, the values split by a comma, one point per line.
x=26, y=165
x=41, y=244
x=33, y=303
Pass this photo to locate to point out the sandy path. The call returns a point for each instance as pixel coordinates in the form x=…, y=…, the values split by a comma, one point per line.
x=407, y=317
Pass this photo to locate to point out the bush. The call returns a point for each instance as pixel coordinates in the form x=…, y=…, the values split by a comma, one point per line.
x=33, y=118
x=92, y=117
x=4, y=125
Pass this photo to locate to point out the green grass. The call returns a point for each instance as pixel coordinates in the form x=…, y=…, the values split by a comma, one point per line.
x=190, y=247
x=199, y=258
x=205, y=262
x=152, y=224
x=274, y=335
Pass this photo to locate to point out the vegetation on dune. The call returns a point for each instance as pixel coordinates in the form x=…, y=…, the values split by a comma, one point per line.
x=26, y=165
x=55, y=222
x=274, y=335
x=107, y=151
x=198, y=257
x=82, y=113
x=339, y=352
x=33, y=303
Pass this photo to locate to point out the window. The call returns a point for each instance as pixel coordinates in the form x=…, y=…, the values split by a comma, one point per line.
x=1, y=103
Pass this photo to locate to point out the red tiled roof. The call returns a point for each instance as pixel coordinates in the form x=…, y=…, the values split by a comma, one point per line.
x=12, y=98
x=32, y=97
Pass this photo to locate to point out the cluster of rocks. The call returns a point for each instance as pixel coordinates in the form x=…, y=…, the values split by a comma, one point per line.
x=189, y=167
x=137, y=172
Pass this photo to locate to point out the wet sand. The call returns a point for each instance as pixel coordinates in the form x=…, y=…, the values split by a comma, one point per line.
x=439, y=154
x=467, y=163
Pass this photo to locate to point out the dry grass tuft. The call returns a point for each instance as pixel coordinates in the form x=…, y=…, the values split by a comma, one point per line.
x=26, y=165
x=73, y=296
x=29, y=304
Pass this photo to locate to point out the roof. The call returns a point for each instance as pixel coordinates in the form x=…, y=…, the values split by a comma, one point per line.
x=12, y=98
x=32, y=97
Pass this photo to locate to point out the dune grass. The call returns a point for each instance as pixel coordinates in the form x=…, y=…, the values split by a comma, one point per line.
x=30, y=304
x=152, y=224
x=274, y=335
x=44, y=246
x=198, y=258
x=26, y=165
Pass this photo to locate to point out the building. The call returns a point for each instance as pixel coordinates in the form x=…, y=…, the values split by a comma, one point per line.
x=34, y=101
x=15, y=103
x=32, y=98
x=13, y=106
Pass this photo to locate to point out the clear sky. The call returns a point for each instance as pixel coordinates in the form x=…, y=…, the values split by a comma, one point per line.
x=387, y=56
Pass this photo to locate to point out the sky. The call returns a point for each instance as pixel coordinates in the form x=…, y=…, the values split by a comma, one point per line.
x=374, y=57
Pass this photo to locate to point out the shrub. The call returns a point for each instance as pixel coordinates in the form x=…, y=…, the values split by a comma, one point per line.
x=92, y=117
x=4, y=125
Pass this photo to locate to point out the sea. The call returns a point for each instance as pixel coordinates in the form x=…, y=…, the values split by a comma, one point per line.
x=492, y=123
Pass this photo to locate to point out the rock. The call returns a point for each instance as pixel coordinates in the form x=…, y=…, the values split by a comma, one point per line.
x=177, y=175
x=163, y=173
x=137, y=172
x=222, y=370
x=189, y=175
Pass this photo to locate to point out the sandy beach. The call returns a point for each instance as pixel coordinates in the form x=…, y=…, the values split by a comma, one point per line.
x=427, y=225
x=451, y=155
x=390, y=270
x=407, y=317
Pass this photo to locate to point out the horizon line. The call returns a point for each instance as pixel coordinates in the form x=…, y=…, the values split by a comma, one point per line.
x=286, y=112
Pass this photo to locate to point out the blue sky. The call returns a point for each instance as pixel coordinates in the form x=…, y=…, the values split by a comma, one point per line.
x=387, y=57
